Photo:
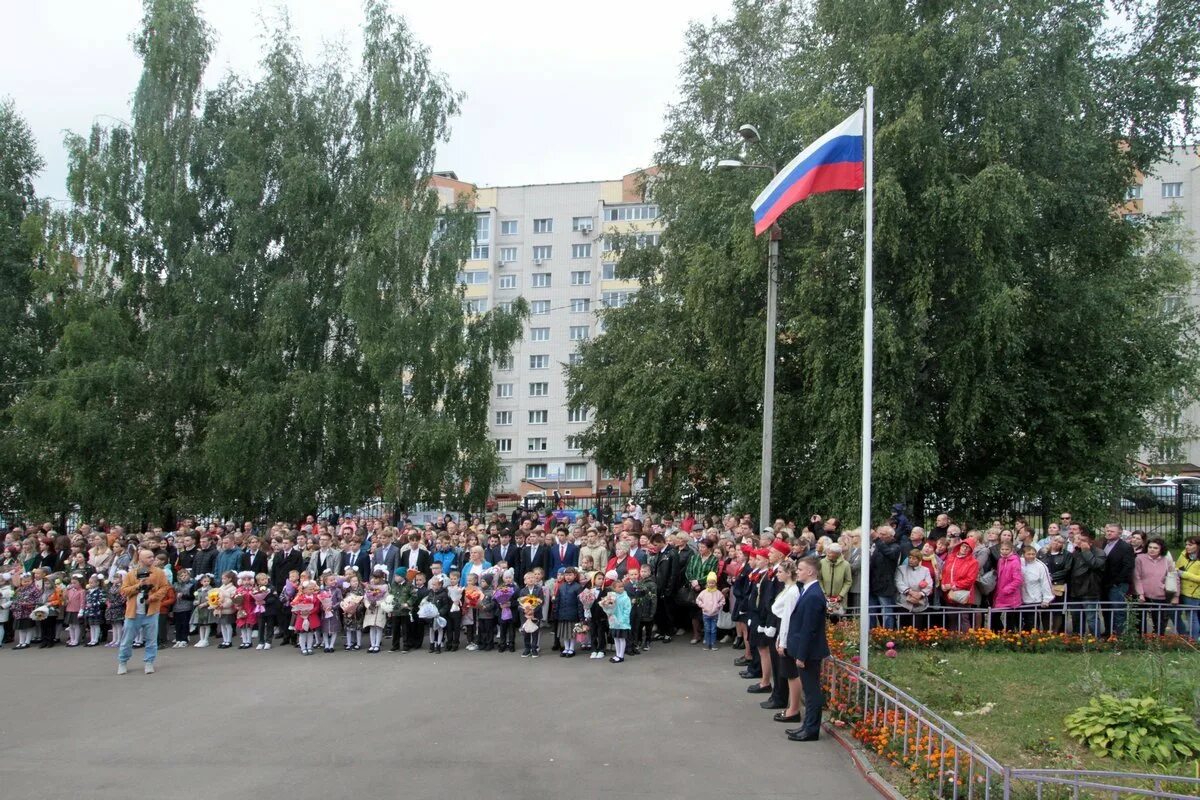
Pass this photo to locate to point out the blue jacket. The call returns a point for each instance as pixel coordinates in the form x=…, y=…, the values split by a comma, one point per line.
x=227, y=561
x=806, y=629
x=618, y=616
x=446, y=559
x=462, y=578
x=567, y=607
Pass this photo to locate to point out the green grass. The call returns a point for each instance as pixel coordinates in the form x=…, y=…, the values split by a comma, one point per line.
x=1033, y=692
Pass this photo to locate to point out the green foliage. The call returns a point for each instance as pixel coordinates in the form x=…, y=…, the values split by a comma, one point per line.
x=1016, y=314
x=1137, y=729
x=267, y=314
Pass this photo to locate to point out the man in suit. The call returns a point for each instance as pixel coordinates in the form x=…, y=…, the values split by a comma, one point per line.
x=563, y=553
x=285, y=559
x=506, y=551
x=1118, y=575
x=807, y=644
x=254, y=559
x=415, y=556
x=535, y=554
x=353, y=556
x=386, y=553
x=326, y=558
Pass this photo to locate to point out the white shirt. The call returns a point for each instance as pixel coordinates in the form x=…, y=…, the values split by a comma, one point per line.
x=784, y=605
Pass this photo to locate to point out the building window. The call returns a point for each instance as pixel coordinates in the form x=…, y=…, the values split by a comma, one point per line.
x=475, y=306
x=473, y=277
x=616, y=299
x=581, y=278
x=480, y=252
x=542, y=252
x=581, y=250
x=577, y=472
x=644, y=240
x=508, y=255
x=540, y=280
x=575, y=358
x=504, y=418
x=611, y=475
x=1134, y=192
x=577, y=414
x=1172, y=190
x=574, y=442
x=608, y=271
x=483, y=228
x=539, y=307
x=508, y=281
x=543, y=226
x=539, y=334
x=539, y=417
x=505, y=475
x=506, y=306
x=579, y=333
x=508, y=227
x=581, y=224
x=581, y=305
x=539, y=362
x=630, y=213
x=535, y=471
x=505, y=363
x=536, y=444
x=539, y=389
x=504, y=390
x=504, y=445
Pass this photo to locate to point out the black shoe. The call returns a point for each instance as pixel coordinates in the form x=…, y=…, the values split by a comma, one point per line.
x=537, y=653
x=771, y=705
x=525, y=654
x=801, y=736
x=797, y=717
x=394, y=649
x=738, y=643
x=666, y=640
x=741, y=661
x=749, y=674
x=633, y=651
x=758, y=688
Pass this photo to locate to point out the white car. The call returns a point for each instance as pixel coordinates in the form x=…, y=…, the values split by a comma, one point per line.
x=1165, y=491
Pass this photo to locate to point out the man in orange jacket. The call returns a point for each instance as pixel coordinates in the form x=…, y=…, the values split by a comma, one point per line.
x=144, y=588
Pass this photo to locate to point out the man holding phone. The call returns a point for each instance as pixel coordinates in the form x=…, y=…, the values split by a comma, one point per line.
x=143, y=588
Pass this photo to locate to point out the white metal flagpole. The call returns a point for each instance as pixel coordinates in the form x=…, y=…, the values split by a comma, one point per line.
x=864, y=622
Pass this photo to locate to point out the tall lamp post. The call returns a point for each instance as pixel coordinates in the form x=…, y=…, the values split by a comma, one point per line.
x=750, y=136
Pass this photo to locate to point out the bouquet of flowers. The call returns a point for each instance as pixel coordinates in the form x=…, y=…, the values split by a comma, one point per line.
x=214, y=599
x=326, y=598
x=57, y=598
x=40, y=613
x=456, y=594
x=259, y=595
x=427, y=610
x=303, y=606
x=350, y=603
x=587, y=597
x=471, y=597
x=580, y=629
x=503, y=598
x=375, y=594
x=530, y=603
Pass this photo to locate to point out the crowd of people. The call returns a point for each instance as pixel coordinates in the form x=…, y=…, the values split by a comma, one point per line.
x=507, y=584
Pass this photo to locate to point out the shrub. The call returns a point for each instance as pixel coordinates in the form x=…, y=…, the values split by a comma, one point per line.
x=1135, y=729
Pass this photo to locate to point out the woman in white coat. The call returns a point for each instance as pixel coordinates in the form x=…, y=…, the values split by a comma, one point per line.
x=1036, y=591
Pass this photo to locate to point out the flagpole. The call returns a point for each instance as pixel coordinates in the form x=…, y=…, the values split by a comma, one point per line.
x=864, y=597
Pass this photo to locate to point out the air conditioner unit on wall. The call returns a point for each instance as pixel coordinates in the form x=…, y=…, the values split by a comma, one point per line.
x=537, y=262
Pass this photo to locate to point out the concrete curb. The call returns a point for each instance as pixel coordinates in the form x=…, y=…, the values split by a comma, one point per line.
x=863, y=764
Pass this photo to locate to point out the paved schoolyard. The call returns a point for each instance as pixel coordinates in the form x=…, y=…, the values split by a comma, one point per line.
x=674, y=723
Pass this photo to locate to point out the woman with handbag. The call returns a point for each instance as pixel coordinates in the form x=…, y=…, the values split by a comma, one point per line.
x=958, y=582
x=1150, y=571
x=1058, y=564
x=695, y=574
x=836, y=579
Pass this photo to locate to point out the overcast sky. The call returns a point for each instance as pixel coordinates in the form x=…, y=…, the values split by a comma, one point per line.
x=555, y=92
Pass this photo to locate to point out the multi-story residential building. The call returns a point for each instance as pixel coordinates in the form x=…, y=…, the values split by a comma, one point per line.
x=1173, y=187
x=554, y=245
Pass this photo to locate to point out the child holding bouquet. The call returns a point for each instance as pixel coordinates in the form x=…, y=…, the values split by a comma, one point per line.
x=402, y=606
x=115, y=609
x=617, y=605
x=181, y=612
x=503, y=598
x=267, y=607
x=93, y=609
x=226, y=612
x=247, y=617
x=374, y=612
x=352, y=612
x=485, y=616
x=330, y=598
x=470, y=602
x=75, y=596
x=208, y=600
x=530, y=599
x=306, y=616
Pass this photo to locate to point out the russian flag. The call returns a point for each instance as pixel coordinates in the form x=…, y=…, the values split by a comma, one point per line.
x=833, y=162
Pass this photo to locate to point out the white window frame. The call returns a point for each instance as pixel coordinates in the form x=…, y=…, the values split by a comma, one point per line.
x=539, y=280
x=608, y=271
x=543, y=225
x=477, y=305
x=503, y=445
x=539, y=361
x=582, y=277
x=504, y=418
x=539, y=417
x=473, y=277
x=576, y=471
x=580, y=333
x=581, y=223
x=505, y=363
x=504, y=391
x=539, y=334
x=574, y=444
x=582, y=250
x=581, y=305
x=539, y=307
x=1172, y=190
x=536, y=472
x=539, y=389
x=577, y=414
x=509, y=255
x=537, y=444
x=509, y=227
x=542, y=252
x=507, y=282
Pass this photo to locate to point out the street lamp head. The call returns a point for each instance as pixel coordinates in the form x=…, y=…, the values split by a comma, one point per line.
x=729, y=163
x=749, y=134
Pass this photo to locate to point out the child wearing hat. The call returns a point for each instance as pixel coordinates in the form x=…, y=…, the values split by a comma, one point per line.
x=181, y=612
x=375, y=613
x=114, y=611
x=402, y=606
x=352, y=611
x=440, y=597
x=330, y=598
x=711, y=601
x=247, y=616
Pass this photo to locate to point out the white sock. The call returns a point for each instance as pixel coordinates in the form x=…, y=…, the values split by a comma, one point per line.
x=620, y=645
x=118, y=632
x=376, y=636
x=94, y=630
x=226, y=633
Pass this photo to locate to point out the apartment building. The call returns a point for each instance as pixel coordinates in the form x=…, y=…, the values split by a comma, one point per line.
x=552, y=244
x=1173, y=187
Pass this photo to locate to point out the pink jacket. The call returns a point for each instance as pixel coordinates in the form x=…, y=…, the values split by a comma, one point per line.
x=75, y=599
x=710, y=602
x=1008, y=582
x=1150, y=576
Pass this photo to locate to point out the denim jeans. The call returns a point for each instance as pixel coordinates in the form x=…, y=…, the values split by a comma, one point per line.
x=1116, y=615
x=1086, y=621
x=145, y=624
x=883, y=610
x=710, y=630
x=1187, y=623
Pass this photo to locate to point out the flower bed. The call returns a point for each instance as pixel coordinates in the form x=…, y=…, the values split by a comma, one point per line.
x=1022, y=641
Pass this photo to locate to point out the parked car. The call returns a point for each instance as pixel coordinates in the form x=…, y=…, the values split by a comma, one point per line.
x=1168, y=487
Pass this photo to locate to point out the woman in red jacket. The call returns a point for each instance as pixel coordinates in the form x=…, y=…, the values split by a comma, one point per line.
x=958, y=581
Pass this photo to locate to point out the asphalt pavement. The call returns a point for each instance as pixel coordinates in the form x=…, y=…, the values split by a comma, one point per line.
x=673, y=723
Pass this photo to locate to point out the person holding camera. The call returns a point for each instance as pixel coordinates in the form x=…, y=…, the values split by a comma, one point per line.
x=143, y=588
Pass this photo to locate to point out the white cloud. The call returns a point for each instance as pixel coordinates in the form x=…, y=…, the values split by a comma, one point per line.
x=555, y=91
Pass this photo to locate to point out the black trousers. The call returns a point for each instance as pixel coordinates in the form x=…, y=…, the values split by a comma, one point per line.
x=814, y=698
x=508, y=633
x=453, y=627
x=662, y=617
x=399, y=630
x=183, y=622
x=779, y=684
x=265, y=626
x=485, y=633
